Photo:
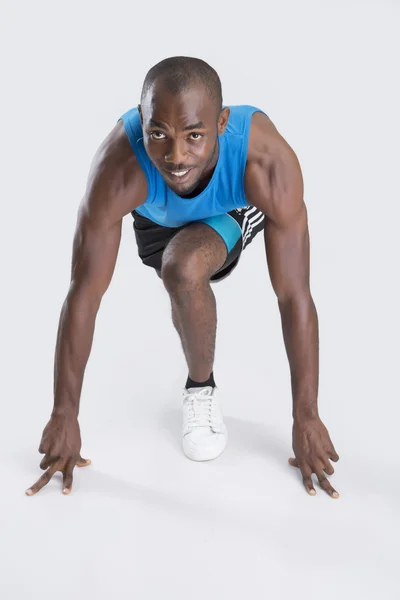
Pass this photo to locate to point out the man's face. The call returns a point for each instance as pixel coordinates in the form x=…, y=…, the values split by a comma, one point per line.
x=180, y=133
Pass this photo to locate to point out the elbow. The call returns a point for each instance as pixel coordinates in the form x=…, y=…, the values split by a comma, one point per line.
x=83, y=299
x=300, y=298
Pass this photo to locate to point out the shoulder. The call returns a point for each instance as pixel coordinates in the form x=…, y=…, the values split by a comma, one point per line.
x=273, y=178
x=116, y=183
x=115, y=162
x=267, y=147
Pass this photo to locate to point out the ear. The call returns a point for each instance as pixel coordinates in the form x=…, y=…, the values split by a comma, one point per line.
x=140, y=113
x=223, y=120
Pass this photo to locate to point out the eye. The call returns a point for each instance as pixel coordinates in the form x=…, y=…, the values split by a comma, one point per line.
x=199, y=136
x=157, y=135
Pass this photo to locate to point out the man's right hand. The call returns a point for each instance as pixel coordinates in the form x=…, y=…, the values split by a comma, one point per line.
x=61, y=445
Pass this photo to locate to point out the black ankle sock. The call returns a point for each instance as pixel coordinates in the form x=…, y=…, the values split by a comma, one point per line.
x=210, y=381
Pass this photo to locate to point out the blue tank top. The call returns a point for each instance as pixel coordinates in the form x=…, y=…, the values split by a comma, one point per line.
x=225, y=190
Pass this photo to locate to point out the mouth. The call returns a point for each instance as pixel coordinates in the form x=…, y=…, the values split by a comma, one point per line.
x=178, y=177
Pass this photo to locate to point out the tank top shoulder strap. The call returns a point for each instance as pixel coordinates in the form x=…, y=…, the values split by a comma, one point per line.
x=237, y=134
x=134, y=131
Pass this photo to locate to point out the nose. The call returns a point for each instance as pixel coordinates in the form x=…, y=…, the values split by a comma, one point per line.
x=176, y=152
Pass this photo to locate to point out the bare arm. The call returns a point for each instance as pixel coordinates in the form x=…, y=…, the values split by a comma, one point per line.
x=94, y=256
x=288, y=256
x=115, y=187
x=275, y=185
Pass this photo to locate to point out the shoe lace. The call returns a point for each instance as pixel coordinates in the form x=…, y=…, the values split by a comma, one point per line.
x=201, y=409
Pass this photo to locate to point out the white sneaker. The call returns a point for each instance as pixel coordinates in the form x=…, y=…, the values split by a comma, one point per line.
x=204, y=432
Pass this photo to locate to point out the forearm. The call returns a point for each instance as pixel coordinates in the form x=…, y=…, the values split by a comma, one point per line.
x=74, y=342
x=300, y=331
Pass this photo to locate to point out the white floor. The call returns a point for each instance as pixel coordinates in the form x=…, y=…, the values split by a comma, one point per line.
x=143, y=521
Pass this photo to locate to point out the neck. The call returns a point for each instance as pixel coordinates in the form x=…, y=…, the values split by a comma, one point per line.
x=207, y=173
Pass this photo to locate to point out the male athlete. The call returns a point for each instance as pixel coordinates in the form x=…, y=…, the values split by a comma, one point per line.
x=201, y=180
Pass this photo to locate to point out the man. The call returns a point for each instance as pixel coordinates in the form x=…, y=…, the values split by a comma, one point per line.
x=201, y=180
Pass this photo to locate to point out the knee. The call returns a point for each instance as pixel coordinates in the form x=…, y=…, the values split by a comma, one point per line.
x=183, y=271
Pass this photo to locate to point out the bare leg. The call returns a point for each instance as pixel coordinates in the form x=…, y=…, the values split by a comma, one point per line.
x=189, y=261
x=176, y=322
x=175, y=318
x=199, y=345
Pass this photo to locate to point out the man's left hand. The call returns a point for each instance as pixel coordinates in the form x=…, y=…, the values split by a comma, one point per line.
x=313, y=450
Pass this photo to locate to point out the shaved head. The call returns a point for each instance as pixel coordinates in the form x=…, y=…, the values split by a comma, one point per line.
x=179, y=74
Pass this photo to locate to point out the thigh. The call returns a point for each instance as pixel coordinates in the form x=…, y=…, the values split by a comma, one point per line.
x=197, y=249
x=151, y=239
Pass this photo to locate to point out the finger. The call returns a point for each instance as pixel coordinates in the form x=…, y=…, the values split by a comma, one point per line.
x=307, y=480
x=41, y=448
x=47, y=461
x=43, y=480
x=325, y=485
x=308, y=484
x=83, y=462
x=333, y=455
x=306, y=472
x=68, y=477
x=329, y=470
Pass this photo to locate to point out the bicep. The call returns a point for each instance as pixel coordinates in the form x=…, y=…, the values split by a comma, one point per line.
x=287, y=244
x=287, y=247
x=95, y=250
x=98, y=230
x=115, y=187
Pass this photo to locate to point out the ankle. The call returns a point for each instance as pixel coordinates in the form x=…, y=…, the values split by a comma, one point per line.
x=191, y=383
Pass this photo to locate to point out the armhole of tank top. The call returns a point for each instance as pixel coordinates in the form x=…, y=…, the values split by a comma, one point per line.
x=243, y=155
x=141, y=159
x=245, y=148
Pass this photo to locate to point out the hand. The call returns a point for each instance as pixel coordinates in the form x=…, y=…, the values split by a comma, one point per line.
x=313, y=448
x=61, y=445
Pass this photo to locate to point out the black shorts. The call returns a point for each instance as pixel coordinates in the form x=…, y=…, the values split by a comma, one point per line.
x=237, y=228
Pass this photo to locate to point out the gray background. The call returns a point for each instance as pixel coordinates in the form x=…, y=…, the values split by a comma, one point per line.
x=143, y=521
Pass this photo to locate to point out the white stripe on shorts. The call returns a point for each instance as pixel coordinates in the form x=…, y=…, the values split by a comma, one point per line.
x=252, y=218
x=247, y=215
x=254, y=222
